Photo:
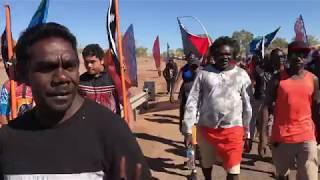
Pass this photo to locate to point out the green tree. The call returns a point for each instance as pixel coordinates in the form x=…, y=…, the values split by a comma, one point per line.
x=313, y=40
x=243, y=37
x=179, y=52
x=278, y=43
x=141, y=51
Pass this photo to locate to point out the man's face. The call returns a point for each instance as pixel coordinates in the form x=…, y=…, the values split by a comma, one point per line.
x=93, y=64
x=223, y=56
x=297, y=59
x=193, y=67
x=53, y=74
x=278, y=59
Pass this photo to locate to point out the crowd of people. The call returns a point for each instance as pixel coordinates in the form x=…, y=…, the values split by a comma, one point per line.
x=69, y=125
x=275, y=98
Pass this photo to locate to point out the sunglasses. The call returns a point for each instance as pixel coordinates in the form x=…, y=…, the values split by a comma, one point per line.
x=299, y=54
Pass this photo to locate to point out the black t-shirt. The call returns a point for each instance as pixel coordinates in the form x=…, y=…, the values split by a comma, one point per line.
x=170, y=71
x=87, y=146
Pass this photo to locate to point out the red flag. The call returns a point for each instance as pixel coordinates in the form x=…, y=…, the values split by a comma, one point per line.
x=156, y=52
x=300, y=30
x=111, y=69
x=192, y=43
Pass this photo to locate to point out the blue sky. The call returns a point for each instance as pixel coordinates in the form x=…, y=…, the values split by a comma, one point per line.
x=86, y=18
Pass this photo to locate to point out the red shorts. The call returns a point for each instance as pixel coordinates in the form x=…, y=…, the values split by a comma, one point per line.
x=228, y=142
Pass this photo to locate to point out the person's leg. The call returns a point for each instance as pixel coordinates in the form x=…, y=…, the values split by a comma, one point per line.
x=207, y=154
x=307, y=161
x=283, y=178
x=233, y=173
x=171, y=85
x=168, y=86
x=207, y=173
x=181, y=109
x=283, y=156
x=229, y=146
x=232, y=176
x=256, y=117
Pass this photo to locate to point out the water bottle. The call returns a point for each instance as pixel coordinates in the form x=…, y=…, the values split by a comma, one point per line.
x=191, y=158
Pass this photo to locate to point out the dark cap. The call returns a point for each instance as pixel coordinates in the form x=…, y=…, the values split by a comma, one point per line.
x=298, y=46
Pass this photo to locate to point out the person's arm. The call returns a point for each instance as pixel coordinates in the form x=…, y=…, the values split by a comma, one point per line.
x=246, y=95
x=191, y=108
x=176, y=85
x=315, y=106
x=267, y=104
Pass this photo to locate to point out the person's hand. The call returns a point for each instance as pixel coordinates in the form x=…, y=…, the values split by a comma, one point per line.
x=187, y=139
x=247, y=145
x=123, y=173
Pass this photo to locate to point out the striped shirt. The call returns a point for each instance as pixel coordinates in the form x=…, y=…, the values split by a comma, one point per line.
x=100, y=89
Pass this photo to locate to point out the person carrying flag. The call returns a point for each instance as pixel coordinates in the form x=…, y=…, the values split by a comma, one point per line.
x=96, y=84
x=221, y=94
x=295, y=93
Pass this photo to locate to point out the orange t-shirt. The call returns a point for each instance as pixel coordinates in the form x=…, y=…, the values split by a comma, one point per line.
x=293, y=114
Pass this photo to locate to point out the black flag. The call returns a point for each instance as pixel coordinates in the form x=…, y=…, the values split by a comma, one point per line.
x=111, y=31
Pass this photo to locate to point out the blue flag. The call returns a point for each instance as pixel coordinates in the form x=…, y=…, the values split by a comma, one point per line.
x=129, y=54
x=40, y=16
x=256, y=43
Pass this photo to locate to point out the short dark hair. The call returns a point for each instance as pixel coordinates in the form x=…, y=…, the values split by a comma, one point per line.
x=222, y=41
x=93, y=50
x=275, y=51
x=39, y=32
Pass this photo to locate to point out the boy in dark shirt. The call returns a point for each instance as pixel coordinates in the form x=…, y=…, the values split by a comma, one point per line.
x=96, y=84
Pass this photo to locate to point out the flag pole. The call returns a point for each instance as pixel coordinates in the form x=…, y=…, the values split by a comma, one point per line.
x=204, y=29
x=304, y=29
x=122, y=68
x=168, y=51
x=10, y=57
x=262, y=48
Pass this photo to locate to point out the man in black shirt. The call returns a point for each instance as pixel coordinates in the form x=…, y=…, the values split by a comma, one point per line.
x=64, y=137
x=170, y=73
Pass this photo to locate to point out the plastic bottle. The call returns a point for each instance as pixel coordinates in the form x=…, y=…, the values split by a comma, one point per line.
x=191, y=158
